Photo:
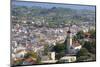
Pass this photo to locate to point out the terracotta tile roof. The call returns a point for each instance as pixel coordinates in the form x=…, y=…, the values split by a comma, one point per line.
x=87, y=33
x=30, y=60
x=76, y=43
x=19, y=51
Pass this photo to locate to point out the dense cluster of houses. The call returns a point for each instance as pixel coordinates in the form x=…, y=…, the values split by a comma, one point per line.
x=27, y=37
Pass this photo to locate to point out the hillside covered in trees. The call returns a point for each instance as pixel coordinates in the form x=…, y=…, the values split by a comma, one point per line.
x=53, y=16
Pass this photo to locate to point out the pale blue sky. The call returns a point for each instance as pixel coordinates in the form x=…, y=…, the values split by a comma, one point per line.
x=50, y=5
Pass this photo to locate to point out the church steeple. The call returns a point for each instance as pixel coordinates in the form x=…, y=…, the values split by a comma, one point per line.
x=68, y=41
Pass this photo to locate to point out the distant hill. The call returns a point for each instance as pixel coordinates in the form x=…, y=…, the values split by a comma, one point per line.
x=54, y=15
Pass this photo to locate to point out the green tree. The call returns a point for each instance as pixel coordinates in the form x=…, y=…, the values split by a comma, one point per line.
x=59, y=48
x=33, y=55
x=85, y=55
x=82, y=52
x=46, y=49
x=93, y=33
x=80, y=35
x=90, y=46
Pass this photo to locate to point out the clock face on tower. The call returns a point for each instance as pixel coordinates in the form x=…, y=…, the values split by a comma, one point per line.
x=52, y=33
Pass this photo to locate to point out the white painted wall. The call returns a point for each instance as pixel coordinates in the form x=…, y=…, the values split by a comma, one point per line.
x=53, y=55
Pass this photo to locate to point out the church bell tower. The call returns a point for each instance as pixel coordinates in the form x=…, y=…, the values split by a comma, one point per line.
x=68, y=41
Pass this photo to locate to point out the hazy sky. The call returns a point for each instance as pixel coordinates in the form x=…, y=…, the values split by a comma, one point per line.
x=50, y=5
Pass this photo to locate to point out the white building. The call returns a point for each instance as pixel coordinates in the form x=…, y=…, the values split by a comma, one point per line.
x=68, y=59
x=21, y=54
x=50, y=58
